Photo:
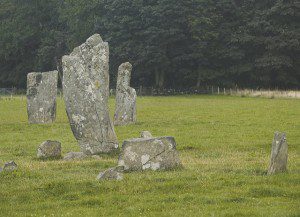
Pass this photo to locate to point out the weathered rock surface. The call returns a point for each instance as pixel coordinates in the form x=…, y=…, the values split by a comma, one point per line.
x=149, y=154
x=75, y=156
x=86, y=92
x=41, y=97
x=279, y=154
x=146, y=134
x=10, y=166
x=115, y=173
x=125, y=112
x=49, y=149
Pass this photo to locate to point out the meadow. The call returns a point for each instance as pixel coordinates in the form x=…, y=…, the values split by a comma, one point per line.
x=224, y=144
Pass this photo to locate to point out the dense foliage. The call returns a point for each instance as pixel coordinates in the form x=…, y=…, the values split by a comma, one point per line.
x=182, y=43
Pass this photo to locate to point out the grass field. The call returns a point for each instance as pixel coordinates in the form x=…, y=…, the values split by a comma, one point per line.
x=224, y=143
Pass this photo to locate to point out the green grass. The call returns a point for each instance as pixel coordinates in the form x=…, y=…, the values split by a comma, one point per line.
x=224, y=143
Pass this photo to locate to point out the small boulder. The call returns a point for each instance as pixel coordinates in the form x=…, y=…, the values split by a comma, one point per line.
x=114, y=173
x=49, y=149
x=75, y=156
x=146, y=134
x=10, y=166
x=279, y=154
x=149, y=154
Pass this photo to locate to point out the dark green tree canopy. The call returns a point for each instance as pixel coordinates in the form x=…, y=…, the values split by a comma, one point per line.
x=178, y=44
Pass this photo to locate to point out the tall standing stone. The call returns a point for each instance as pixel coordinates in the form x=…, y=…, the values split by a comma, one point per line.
x=279, y=154
x=41, y=97
x=86, y=92
x=125, y=112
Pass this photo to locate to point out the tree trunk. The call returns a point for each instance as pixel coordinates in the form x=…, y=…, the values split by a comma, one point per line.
x=159, y=79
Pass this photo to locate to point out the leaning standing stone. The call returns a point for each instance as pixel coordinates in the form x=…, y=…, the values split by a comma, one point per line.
x=41, y=97
x=86, y=92
x=125, y=97
x=149, y=154
x=49, y=149
x=279, y=154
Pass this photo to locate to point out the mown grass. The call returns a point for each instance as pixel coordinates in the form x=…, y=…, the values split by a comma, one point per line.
x=224, y=143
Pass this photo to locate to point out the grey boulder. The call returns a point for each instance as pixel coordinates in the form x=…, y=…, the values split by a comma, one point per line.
x=279, y=154
x=10, y=166
x=149, y=154
x=146, y=134
x=49, y=149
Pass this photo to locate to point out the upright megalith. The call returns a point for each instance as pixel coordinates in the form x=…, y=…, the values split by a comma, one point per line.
x=125, y=97
x=41, y=97
x=86, y=92
x=279, y=154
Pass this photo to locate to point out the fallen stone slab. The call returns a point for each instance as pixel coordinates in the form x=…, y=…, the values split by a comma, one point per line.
x=49, y=149
x=10, y=166
x=279, y=154
x=75, y=156
x=114, y=173
x=125, y=112
x=149, y=154
x=146, y=134
x=41, y=97
x=79, y=156
x=86, y=93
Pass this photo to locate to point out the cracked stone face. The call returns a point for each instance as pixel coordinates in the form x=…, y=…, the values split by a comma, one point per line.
x=125, y=112
x=149, y=154
x=41, y=97
x=279, y=154
x=86, y=92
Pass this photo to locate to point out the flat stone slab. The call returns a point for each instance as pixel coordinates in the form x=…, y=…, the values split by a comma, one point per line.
x=75, y=156
x=79, y=156
x=86, y=93
x=149, y=154
x=41, y=97
x=115, y=173
x=279, y=154
x=49, y=149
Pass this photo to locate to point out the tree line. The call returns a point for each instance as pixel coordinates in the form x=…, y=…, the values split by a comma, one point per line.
x=174, y=44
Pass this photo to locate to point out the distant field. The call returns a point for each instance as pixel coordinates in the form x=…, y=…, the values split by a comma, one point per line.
x=224, y=143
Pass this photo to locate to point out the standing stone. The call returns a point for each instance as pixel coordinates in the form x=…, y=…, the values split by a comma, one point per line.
x=41, y=97
x=86, y=92
x=49, y=149
x=279, y=154
x=149, y=154
x=125, y=97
